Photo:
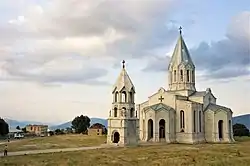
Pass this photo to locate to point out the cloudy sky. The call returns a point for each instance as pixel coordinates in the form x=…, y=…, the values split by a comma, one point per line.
x=59, y=58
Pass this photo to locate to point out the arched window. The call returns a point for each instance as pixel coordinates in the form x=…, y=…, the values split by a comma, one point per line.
x=194, y=120
x=132, y=112
x=115, y=112
x=124, y=112
x=182, y=119
x=124, y=96
x=116, y=96
x=200, y=121
x=181, y=72
x=188, y=76
x=131, y=97
x=174, y=75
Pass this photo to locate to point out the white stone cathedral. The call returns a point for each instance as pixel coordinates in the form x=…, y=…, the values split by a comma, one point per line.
x=177, y=115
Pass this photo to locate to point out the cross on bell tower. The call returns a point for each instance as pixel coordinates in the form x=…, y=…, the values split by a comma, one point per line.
x=123, y=64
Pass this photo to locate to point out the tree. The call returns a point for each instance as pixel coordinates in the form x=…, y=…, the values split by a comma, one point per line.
x=240, y=130
x=18, y=128
x=59, y=132
x=4, y=127
x=69, y=130
x=51, y=133
x=81, y=124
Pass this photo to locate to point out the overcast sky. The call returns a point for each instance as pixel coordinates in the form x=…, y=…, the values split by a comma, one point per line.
x=60, y=58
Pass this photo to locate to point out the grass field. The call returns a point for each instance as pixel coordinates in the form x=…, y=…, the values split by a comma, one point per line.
x=54, y=142
x=237, y=154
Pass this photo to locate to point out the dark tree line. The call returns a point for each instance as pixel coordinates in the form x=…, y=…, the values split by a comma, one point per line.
x=81, y=124
x=240, y=130
x=4, y=127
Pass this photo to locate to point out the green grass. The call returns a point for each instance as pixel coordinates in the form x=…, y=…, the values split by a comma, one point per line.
x=55, y=142
x=237, y=154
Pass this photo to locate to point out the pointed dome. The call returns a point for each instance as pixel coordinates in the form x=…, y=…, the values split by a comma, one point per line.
x=123, y=81
x=181, y=53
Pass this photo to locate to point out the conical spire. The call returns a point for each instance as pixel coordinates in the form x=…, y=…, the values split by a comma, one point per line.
x=123, y=80
x=181, y=53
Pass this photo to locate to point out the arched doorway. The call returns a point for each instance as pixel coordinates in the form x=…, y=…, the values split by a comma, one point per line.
x=150, y=129
x=220, y=129
x=116, y=137
x=162, y=128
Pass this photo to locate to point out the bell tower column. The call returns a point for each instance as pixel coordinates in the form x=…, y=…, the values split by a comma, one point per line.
x=123, y=125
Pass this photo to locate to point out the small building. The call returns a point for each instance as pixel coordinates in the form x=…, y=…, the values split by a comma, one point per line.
x=97, y=129
x=39, y=130
x=15, y=133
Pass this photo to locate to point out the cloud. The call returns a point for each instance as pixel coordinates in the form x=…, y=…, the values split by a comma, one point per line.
x=157, y=64
x=66, y=69
x=223, y=59
x=44, y=33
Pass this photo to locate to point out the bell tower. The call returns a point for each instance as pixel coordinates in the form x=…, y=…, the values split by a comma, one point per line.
x=123, y=124
x=181, y=69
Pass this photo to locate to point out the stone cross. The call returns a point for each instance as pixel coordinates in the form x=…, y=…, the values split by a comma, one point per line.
x=180, y=29
x=161, y=98
x=123, y=64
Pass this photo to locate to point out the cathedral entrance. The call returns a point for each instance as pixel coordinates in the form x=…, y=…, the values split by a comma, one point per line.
x=220, y=129
x=162, y=128
x=150, y=129
x=116, y=137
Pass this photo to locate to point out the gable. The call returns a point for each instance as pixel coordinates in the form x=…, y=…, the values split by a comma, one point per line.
x=158, y=107
x=217, y=108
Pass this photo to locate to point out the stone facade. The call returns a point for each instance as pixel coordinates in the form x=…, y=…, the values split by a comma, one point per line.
x=190, y=116
x=177, y=115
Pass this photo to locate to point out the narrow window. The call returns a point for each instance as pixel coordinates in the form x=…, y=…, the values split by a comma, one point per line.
x=200, y=121
x=182, y=119
x=181, y=75
x=194, y=121
x=116, y=96
x=188, y=75
x=174, y=75
x=193, y=76
x=124, y=96
x=115, y=112
x=124, y=112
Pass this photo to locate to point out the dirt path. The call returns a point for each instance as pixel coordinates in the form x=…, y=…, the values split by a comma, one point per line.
x=19, y=153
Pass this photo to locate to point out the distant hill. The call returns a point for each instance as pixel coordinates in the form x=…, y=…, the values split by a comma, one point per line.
x=92, y=121
x=242, y=119
x=14, y=123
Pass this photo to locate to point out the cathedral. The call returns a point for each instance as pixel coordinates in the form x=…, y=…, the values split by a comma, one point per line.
x=180, y=114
